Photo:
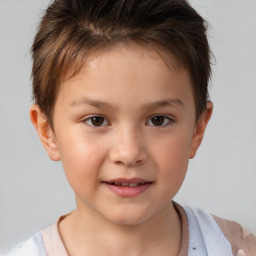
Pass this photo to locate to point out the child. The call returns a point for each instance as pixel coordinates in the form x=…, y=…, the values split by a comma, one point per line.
x=121, y=98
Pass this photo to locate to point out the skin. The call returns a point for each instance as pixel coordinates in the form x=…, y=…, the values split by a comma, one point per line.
x=127, y=86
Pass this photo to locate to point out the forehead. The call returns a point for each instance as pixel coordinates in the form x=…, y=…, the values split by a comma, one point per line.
x=126, y=72
x=127, y=60
x=136, y=56
x=89, y=57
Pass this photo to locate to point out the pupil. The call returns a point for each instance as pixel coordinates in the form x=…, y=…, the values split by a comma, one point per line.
x=158, y=120
x=97, y=120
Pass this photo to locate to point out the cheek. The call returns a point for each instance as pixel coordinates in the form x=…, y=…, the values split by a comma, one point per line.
x=172, y=157
x=173, y=149
x=174, y=162
x=81, y=160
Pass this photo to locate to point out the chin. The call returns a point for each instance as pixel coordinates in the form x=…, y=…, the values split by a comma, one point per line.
x=127, y=218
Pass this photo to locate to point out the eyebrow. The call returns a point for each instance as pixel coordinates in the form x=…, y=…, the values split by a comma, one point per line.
x=164, y=103
x=148, y=106
x=91, y=102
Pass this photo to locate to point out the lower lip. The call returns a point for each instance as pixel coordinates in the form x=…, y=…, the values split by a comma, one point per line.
x=123, y=191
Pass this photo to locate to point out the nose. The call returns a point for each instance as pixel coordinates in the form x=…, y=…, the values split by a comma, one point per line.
x=128, y=149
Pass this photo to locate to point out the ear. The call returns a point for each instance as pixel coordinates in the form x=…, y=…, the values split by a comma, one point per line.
x=45, y=132
x=200, y=129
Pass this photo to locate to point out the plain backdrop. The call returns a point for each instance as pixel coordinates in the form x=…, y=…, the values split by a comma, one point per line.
x=222, y=177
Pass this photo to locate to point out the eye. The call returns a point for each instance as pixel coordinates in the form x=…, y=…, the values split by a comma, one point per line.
x=159, y=121
x=96, y=121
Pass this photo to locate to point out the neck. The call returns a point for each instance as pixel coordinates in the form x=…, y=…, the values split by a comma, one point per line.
x=84, y=233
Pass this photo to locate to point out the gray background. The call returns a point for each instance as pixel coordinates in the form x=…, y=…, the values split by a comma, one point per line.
x=221, y=179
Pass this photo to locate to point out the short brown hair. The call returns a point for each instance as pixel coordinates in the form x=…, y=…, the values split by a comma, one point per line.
x=70, y=30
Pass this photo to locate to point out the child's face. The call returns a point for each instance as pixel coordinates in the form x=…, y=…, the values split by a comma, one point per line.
x=126, y=118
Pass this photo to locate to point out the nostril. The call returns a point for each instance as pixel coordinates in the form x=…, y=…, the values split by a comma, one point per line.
x=127, y=156
x=138, y=162
x=133, y=163
x=127, y=164
x=119, y=163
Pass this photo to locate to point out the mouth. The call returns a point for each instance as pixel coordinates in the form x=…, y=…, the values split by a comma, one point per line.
x=126, y=184
x=128, y=187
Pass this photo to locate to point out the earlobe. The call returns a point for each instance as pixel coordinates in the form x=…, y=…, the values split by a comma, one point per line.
x=44, y=132
x=200, y=129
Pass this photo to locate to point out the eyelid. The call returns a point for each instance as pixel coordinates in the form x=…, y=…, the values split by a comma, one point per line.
x=107, y=123
x=168, y=117
x=88, y=118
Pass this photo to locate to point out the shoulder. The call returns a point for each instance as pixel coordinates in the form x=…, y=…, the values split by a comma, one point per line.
x=239, y=238
x=34, y=246
x=229, y=235
x=46, y=242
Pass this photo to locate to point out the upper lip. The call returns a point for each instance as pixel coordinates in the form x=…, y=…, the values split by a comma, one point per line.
x=125, y=180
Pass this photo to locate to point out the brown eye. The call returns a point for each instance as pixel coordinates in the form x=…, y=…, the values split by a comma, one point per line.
x=96, y=121
x=159, y=121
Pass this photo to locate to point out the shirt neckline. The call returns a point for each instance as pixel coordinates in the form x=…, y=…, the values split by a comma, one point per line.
x=55, y=246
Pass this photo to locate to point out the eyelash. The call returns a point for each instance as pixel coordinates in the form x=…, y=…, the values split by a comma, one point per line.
x=167, y=121
x=89, y=120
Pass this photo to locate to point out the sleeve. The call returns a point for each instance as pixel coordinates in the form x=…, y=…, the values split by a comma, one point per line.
x=243, y=243
x=32, y=247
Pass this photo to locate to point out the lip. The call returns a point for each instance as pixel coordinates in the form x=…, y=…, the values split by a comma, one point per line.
x=125, y=180
x=127, y=191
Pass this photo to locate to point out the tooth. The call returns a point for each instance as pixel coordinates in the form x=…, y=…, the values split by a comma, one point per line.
x=127, y=184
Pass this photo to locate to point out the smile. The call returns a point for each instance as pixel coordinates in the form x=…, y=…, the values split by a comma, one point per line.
x=128, y=187
x=128, y=184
